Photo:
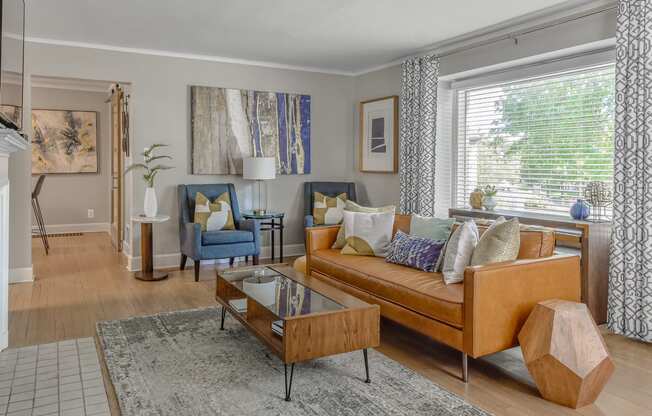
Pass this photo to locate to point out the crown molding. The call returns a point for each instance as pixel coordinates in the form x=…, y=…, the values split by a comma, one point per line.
x=515, y=27
x=182, y=55
x=511, y=28
x=71, y=84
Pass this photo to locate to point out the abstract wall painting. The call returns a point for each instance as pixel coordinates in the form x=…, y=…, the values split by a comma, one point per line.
x=64, y=141
x=379, y=135
x=231, y=124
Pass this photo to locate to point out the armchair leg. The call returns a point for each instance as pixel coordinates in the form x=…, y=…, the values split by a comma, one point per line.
x=197, y=263
x=255, y=260
x=184, y=258
x=465, y=367
x=231, y=261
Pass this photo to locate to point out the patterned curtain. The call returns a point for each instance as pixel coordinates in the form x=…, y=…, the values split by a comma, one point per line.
x=630, y=263
x=418, y=111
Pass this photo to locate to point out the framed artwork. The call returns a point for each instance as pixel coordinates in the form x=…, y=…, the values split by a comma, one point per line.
x=379, y=135
x=231, y=124
x=64, y=141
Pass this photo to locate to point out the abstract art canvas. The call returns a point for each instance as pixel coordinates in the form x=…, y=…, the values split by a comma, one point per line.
x=64, y=141
x=231, y=124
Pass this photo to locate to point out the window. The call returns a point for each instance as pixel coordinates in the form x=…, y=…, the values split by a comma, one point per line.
x=539, y=141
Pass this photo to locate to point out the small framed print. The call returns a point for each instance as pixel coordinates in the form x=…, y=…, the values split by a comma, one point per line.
x=379, y=135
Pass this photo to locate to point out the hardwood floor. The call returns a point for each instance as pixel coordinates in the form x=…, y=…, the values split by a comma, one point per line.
x=82, y=281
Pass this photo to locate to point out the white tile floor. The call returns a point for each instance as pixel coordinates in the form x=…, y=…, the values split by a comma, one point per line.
x=62, y=378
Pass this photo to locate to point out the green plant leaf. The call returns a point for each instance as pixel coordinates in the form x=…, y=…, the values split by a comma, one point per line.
x=135, y=166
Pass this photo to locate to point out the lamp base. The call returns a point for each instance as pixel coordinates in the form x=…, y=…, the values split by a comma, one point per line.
x=259, y=211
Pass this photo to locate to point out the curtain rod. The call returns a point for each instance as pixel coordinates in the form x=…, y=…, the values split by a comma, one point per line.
x=515, y=35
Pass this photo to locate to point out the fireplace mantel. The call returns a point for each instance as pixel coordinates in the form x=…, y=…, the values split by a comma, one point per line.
x=10, y=142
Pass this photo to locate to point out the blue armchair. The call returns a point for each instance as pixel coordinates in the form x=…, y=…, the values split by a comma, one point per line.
x=208, y=245
x=326, y=188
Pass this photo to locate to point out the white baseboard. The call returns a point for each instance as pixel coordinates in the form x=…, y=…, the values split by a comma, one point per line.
x=166, y=261
x=21, y=275
x=91, y=227
x=4, y=340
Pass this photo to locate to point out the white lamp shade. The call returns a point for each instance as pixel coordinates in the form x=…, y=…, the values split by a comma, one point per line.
x=259, y=168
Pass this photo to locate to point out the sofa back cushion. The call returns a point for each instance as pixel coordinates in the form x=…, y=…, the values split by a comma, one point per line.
x=536, y=242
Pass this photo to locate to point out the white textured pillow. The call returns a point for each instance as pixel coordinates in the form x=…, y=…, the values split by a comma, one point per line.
x=366, y=233
x=459, y=251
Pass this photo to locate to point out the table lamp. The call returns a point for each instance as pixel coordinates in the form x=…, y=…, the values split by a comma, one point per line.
x=259, y=169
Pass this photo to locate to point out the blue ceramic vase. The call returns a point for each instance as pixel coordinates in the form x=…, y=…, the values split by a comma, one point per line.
x=580, y=210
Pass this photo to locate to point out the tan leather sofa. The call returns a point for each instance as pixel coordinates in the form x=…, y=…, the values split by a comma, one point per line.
x=480, y=316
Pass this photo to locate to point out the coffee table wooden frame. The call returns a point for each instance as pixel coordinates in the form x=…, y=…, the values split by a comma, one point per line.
x=354, y=327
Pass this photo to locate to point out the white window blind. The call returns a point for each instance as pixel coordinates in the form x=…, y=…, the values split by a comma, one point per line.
x=539, y=141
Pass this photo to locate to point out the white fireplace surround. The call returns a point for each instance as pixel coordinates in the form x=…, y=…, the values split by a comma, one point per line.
x=10, y=142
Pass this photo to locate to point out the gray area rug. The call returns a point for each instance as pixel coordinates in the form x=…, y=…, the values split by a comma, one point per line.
x=180, y=363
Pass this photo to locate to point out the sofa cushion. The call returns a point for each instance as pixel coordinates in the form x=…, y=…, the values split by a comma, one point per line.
x=422, y=292
x=211, y=238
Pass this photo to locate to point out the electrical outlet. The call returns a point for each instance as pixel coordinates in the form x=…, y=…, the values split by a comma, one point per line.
x=91, y=213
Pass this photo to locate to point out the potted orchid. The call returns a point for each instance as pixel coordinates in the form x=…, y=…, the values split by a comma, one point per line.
x=150, y=170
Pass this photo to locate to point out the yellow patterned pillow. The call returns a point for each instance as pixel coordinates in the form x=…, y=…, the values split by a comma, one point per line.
x=328, y=210
x=216, y=215
x=353, y=207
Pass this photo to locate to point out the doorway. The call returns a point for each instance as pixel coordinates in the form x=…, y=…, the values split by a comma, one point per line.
x=79, y=138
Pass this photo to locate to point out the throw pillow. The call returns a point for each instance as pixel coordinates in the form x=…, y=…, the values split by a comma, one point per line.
x=367, y=234
x=500, y=242
x=459, y=251
x=431, y=227
x=353, y=207
x=416, y=252
x=216, y=215
x=327, y=210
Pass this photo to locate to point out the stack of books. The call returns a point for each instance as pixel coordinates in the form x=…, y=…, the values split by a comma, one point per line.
x=277, y=327
x=240, y=305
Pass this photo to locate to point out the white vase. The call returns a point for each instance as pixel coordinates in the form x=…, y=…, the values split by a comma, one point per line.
x=489, y=203
x=151, y=205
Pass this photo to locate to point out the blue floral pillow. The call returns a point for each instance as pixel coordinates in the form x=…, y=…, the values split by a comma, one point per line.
x=417, y=252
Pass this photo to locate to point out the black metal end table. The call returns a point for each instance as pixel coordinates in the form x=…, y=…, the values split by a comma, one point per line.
x=272, y=222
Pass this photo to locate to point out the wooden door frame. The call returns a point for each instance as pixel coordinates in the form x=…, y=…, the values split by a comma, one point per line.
x=117, y=232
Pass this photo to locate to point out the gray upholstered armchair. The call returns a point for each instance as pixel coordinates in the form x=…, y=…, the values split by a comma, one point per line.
x=326, y=188
x=208, y=245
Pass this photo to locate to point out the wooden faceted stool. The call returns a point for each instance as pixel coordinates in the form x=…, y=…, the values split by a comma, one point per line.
x=565, y=353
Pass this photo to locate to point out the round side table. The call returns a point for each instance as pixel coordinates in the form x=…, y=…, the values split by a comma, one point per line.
x=147, y=272
x=272, y=222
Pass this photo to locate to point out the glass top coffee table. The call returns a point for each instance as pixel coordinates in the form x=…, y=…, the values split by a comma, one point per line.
x=298, y=317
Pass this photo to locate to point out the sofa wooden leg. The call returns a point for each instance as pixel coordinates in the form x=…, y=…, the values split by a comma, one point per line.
x=231, y=261
x=197, y=264
x=246, y=259
x=465, y=367
x=184, y=258
x=255, y=260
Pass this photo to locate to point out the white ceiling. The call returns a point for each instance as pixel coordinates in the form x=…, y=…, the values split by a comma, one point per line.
x=345, y=36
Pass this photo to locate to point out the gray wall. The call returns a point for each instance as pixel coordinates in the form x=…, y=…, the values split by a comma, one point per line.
x=66, y=198
x=160, y=114
x=382, y=188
